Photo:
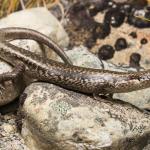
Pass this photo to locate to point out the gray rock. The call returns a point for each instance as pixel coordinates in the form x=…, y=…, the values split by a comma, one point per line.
x=59, y=119
x=39, y=19
x=80, y=56
x=10, y=139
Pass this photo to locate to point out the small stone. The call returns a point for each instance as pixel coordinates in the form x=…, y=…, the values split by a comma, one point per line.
x=135, y=60
x=120, y=44
x=117, y=18
x=9, y=128
x=133, y=34
x=106, y=52
x=144, y=41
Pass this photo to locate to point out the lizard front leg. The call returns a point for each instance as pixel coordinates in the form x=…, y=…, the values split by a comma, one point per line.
x=11, y=84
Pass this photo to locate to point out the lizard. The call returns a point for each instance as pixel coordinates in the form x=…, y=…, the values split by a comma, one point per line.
x=76, y=78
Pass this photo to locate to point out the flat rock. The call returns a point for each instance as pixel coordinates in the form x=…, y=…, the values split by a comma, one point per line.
x=39, y=19
x=58, y=119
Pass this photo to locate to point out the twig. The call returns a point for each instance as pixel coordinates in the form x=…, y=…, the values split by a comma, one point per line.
x=22, y=4
x=143, y=18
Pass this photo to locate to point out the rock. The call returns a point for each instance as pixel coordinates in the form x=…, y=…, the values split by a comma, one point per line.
x=58, y=119
x=90, y=60
x=10, y=139
x=140, y=98
x=39, y=19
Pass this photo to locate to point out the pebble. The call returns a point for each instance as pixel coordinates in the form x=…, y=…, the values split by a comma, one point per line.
x=135, y=60
x=133, y=34
x=120, y=44
x=106, y=52
x=144, y=41
x=117, y=18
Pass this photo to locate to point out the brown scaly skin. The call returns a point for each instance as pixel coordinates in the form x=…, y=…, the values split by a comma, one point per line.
x=76, y=78
x=13, y=33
